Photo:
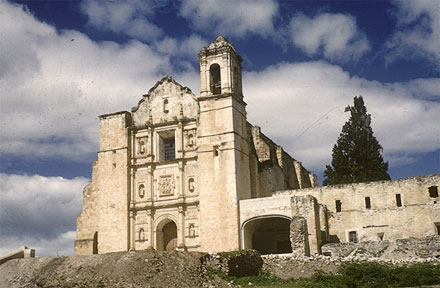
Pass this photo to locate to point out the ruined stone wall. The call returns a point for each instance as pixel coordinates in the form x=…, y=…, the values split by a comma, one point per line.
x=306, y=229
x=108, y=206
x=87, y=220
x=417, y=216
x=277, y=170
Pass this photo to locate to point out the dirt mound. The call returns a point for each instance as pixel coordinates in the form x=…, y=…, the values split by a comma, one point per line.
x=124, y=269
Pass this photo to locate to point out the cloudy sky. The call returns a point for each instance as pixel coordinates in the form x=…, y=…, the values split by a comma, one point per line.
x=63, y=63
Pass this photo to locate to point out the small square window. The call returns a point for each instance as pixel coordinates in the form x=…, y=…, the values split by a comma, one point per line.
x=433, y=191
x=367, y=202
x=352, y=237
x=167, y=147
x=398, y=200
x=338, y=204
x=437, y=228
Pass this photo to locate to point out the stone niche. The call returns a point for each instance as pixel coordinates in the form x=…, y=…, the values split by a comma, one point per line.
x=190, y=137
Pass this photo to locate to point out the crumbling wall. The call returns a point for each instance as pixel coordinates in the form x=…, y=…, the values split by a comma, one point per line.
x=400, y=249
x=22, y=252
x=417, y=215
x=102, y=225
x=299, y=236
x=305, y=215
x=277, y=170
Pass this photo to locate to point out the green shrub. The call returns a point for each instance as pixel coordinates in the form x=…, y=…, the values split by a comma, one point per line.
x=352, y=275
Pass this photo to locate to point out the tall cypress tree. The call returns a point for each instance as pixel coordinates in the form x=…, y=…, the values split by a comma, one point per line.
x=357, y=155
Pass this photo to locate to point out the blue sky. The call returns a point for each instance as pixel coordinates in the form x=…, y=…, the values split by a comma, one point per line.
x=63, y=63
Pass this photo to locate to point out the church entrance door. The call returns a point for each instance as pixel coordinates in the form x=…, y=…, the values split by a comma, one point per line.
x=170, y=236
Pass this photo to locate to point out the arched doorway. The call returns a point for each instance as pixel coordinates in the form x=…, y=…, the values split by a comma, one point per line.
x=95, y=243
x=166, y=236
x=268, y=235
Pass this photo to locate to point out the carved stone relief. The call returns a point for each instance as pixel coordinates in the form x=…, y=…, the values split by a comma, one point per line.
x=166, y=186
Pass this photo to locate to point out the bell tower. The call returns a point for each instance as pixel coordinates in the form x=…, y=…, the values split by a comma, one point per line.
x=220, y=69
x=223, y=148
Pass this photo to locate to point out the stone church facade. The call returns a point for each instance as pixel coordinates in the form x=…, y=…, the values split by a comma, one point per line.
x=189, y=172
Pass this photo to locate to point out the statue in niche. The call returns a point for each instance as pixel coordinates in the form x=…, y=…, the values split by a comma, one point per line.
x=166, y=186
x=192, y=231
x=142, y=147
x=191, y=187
x=141, y=234
x=141, y=191
x=190, y=140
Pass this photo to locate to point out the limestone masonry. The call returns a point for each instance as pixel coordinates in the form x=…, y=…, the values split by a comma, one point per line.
x=188, y=172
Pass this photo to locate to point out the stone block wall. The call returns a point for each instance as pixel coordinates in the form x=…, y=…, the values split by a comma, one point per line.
x=418, y=216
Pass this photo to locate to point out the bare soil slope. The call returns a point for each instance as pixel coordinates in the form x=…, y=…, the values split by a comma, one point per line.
x=125, y=269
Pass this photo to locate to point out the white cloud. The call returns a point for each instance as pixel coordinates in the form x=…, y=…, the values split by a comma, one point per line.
x=53, y=88
x=55, y=83
x=61, y=245
x=229, y=17
x=301, y=106
x=336, y=36
x=187, y=46
x=123, y=17
x=418, y=31
x=39, y=212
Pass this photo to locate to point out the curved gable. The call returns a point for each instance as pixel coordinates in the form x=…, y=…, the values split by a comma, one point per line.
x=166, y=101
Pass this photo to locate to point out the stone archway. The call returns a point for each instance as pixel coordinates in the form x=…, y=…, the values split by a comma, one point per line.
x=166, y=236
x=268, y=234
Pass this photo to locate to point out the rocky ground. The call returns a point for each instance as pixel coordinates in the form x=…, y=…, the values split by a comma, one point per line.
x=125, y=269
x=167, y=269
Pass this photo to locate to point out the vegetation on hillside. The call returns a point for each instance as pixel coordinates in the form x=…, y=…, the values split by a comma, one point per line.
x=352, y=275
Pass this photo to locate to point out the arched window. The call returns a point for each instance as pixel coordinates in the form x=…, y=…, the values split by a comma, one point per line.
x=165, y=106
x=215, y=79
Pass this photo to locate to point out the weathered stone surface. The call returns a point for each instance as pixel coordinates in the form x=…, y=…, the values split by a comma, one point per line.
x=299, y=236
x=23, y=252
x=235, y=263
x=170, y=173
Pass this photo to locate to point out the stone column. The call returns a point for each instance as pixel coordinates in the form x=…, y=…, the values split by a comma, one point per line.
x=181, y=231
x=149, y=186
x=179, y=140
x=151, y=228
x=132, y=232
x=181, y=181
